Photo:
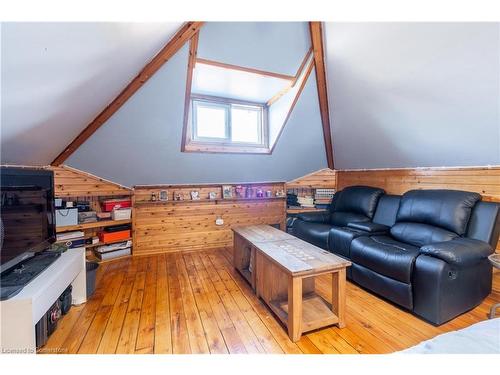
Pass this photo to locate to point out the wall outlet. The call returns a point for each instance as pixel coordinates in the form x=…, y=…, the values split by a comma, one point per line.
x=219, y=221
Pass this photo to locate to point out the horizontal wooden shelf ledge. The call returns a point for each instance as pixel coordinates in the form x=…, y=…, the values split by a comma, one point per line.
x=194, y=186
x=218, y=200
x=97, y=224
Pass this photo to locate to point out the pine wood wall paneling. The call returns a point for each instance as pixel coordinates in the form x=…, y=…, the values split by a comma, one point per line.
x=71, y=182
x=482, y=180
x=485, y=181
x=190, y=225
x=323, y=179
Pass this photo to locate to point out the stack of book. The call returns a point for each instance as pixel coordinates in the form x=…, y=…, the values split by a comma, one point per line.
x=114, y=250
x=306, y=201
x=71, y=239
x=323, y=197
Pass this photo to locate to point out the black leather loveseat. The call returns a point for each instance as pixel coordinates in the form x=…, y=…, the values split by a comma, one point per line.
x=425, y=250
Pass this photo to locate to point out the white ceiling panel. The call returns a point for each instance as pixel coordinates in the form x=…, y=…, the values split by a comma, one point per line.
x=56, y=77
x=235, y=84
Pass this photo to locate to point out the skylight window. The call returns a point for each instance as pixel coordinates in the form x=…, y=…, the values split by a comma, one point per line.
x=236, y=109
x=228, y=122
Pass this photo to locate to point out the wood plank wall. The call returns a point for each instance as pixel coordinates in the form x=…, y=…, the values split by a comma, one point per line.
x=71, y=182
x=324, y=178
x=163, y=227
x=483, y=180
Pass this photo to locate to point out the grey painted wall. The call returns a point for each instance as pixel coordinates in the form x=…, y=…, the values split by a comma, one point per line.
x=141, y=143
x=414, y=94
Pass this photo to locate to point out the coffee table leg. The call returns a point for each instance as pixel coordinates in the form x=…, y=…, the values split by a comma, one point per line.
x=338, y=295
x=294, y=308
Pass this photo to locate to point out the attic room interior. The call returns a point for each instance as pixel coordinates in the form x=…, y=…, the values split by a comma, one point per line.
x=250, y=187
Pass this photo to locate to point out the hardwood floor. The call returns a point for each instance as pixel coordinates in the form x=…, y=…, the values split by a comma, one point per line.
x=195, y=302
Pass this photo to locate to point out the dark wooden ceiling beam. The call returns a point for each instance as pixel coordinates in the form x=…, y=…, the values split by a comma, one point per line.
x=193, y=51
x=175, y=43
x=316, y=30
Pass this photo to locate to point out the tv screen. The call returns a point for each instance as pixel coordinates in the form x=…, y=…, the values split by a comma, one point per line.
x=27, y=221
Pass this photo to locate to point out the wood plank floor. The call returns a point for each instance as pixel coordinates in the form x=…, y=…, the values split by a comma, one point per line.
x=195, y=302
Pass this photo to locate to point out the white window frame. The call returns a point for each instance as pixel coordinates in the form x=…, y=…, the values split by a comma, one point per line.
x=227, y=105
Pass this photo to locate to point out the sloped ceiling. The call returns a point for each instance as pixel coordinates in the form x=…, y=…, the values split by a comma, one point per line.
x=56, y=77
x=414, y=94
x=141, y=142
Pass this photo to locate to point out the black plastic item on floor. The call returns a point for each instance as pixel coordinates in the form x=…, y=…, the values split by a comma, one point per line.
x=91, y=271
x=65, y=300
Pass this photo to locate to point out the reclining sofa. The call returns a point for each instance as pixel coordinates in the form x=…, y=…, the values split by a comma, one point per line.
x=425, y=250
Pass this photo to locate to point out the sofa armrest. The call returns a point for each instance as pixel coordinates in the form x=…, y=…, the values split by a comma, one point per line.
x=315, y=217
x=369, y=227
x=459, y=251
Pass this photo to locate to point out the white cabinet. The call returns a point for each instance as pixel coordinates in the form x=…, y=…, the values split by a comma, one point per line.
x=19, y=314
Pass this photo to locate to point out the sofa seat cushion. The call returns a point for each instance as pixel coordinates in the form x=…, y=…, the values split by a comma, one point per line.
x=393, y=290
x=341, y=219
x=339, y=240
x=386, y=256
x=419, y=234
x=314, y=233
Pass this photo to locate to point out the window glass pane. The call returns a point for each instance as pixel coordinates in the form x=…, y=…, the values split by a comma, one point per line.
x=210, y=121
x=245, y=124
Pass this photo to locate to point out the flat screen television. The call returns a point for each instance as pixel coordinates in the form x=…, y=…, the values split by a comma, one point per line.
x=27, y=218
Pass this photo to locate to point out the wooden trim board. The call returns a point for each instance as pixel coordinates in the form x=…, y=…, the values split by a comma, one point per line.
x=244, y=69
x=316, y=31
x=193, y=49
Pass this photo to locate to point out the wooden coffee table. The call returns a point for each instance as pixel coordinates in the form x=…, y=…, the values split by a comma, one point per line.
x=282, y=269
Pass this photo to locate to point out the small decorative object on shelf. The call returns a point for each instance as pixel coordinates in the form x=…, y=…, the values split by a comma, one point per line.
x=153, y=197
x=240, y=191
x=212, y=195
x=280, y=193
x=227, y=191
x=269, y=194
x=178, y=196
x=259, y=194
x=195, y=195
x=163, y=196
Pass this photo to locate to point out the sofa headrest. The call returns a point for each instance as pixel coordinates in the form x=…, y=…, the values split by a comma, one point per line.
x=448, y=209
x=358, y=199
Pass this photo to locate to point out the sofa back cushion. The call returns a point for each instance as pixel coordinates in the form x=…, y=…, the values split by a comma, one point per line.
x=360, y=200
x=446, y=209
x=484, y=223
x=418, y=234
x=387, y=210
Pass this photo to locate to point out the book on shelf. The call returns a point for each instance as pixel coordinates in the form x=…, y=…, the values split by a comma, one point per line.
x=113, y=247
x=69, y=235
x=306, y=201
x=113, y=254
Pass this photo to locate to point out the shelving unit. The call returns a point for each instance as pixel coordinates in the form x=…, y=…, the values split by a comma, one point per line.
x=97, y=224
x=74, y=185
x=308, y=184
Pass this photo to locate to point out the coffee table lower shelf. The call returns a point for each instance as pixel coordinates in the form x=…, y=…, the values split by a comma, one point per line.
x=316, y=312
